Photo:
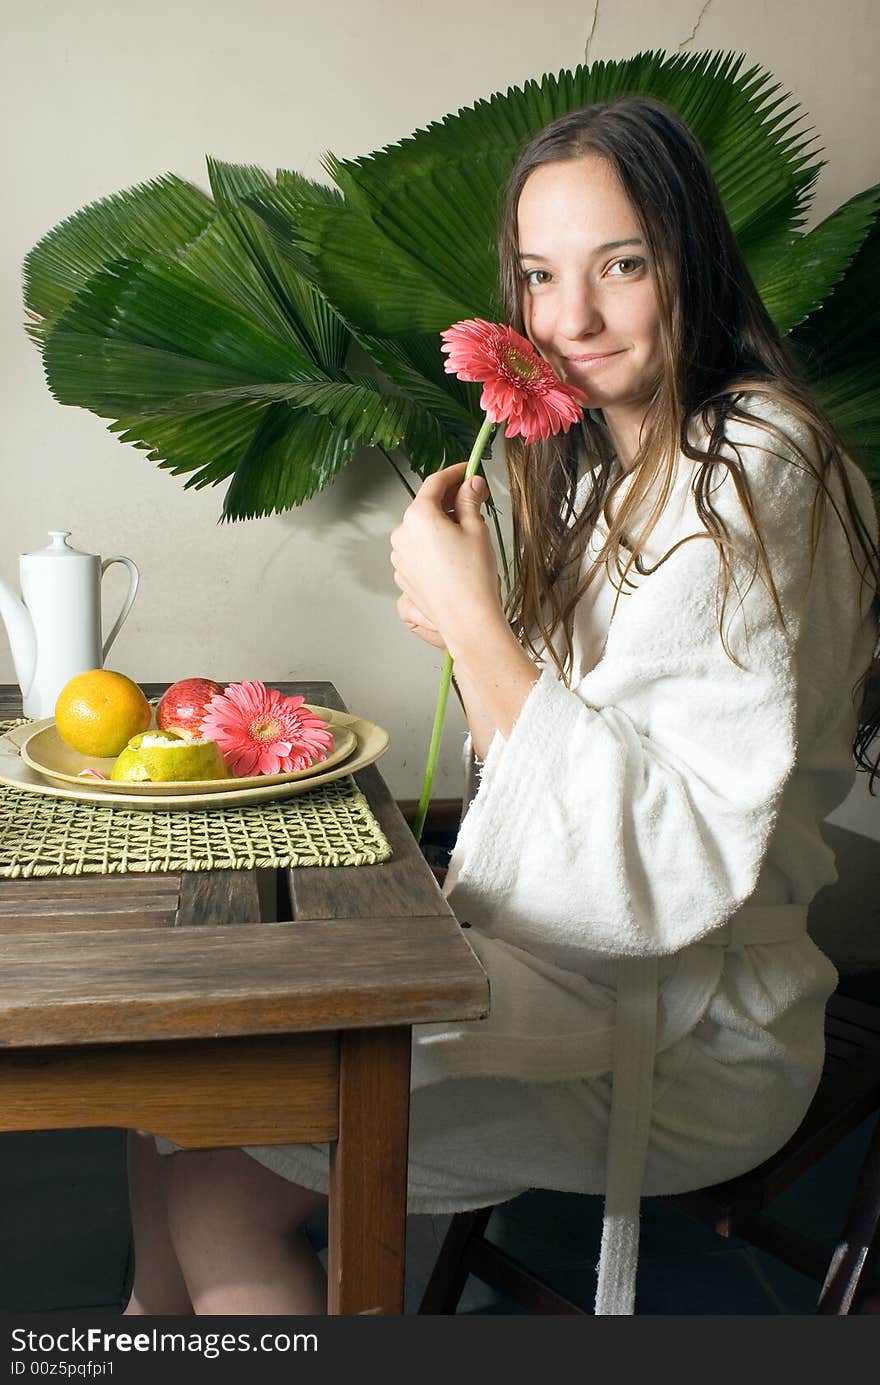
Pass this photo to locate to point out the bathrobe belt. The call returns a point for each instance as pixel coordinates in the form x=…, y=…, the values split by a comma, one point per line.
x=629, y=1126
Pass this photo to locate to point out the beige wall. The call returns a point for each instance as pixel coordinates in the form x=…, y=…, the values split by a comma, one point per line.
x=100, y=94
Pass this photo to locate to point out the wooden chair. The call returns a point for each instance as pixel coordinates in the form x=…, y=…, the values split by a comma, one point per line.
x=845, y=921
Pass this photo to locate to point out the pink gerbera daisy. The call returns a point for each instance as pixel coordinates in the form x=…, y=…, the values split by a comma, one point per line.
x=519, y=387
x=260, y=731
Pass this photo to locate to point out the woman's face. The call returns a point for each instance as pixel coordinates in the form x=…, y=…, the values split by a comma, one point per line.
x=589, y=299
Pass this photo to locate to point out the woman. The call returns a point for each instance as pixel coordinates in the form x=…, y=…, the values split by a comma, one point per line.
x=660, y=719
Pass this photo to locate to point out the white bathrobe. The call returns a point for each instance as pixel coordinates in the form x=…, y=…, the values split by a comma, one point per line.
x=635, y=866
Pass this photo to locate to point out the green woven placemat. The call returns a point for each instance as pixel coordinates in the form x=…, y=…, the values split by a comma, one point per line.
x=331, y=825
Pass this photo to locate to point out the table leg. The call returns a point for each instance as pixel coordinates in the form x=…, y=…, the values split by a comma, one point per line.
x=368, y=1164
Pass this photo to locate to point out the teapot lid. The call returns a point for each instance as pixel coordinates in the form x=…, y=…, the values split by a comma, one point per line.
x=58, y=548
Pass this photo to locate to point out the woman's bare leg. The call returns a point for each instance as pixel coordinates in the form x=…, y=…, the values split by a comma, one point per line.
x=159, y=1286
x=236, y=1229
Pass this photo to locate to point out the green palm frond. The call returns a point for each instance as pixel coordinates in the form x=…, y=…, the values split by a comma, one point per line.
x=218, y=335
x=292, y=455
x=153, y=345
x=414, y=365
x=278, y=456
x=232, y=184
x=813, y=264
x=236, y=256
x=206, y=448
x=413, y=246
x=153, y=327
x=161, y=216
x=839, y=348
x=845, y=330
x=376, y=283
x=355, y=404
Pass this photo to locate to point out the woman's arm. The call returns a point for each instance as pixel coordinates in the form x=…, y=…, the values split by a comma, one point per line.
x=445, y=567
x=495, y=676
x=481, y=725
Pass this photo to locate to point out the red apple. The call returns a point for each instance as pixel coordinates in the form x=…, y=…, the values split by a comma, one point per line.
x=183, y=705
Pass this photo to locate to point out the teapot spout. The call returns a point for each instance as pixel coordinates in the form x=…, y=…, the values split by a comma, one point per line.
x=22, y=635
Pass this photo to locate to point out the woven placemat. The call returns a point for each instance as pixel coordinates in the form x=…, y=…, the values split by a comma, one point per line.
x=331, y=825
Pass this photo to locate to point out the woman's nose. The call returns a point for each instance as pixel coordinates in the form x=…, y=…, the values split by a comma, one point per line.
x=579, y=313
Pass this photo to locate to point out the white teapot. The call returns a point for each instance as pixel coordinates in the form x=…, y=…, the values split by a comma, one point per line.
x=54, y=628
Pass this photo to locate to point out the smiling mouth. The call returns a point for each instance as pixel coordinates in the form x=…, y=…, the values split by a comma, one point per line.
x=593, y=359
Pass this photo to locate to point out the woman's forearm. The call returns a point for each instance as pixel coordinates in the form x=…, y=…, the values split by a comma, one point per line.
x=495, y=676
x=480, y=725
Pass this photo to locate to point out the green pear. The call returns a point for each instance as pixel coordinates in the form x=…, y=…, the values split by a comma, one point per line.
x=160, y=757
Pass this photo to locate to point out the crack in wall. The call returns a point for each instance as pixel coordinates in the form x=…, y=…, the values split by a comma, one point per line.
x=693, y=33
x=592, y=31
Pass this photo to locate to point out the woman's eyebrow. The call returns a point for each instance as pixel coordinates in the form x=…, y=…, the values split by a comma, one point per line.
x=597, y=250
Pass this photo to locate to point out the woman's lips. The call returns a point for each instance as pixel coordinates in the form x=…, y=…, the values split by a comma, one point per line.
x=592, y=361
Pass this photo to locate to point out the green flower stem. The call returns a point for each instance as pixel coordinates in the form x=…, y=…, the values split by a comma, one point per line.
x=446, y=676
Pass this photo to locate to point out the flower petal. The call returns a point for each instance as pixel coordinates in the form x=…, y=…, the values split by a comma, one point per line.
x=519, y=386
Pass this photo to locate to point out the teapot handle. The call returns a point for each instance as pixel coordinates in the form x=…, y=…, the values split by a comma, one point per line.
x=134, y=578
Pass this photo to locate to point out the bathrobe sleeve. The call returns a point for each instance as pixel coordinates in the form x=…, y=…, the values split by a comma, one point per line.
x=631, y=814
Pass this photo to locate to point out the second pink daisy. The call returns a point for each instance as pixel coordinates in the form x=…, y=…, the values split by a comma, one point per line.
x=260, y=731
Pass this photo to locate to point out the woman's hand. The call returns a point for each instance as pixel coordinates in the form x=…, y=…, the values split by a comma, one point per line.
x=416, y=621
x=443, y=560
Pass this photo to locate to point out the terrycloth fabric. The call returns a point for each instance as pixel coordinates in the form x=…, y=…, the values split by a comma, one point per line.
x=627, y=820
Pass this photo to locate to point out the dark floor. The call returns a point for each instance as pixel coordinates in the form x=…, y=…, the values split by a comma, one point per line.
x=65, y=1238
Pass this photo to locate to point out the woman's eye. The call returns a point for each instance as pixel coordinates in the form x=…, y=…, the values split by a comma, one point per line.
x=632, y=264
x=534, y=282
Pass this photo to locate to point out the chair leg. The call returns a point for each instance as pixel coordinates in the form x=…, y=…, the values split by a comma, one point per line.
x=450, y=1273
x=850, y=1263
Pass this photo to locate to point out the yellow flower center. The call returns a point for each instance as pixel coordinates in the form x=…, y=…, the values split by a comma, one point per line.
x=524, y=367
x=266, y=729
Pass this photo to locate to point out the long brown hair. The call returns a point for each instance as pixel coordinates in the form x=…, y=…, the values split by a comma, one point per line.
x=718, y=343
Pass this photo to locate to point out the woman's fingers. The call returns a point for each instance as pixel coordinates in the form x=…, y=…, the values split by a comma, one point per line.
x=418, y=623
x=411, y=615
x=436, y=488
x=469, y=499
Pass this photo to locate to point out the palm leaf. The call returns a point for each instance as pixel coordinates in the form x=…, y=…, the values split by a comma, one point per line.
x=357, y=405
x=411, y=364
x=414, y=245
x=839, y=348
x=375, y=283
x=414, y=365
x=237, y=259
x=145, y=332
x=278, y=207
x=232, y=184
x=207, y=448
x=139, y=336
x=851, y=399
x=114, y=378
x=281, y=207
x=229, y=310
x=292, y=455
x=269, y=260
x=215, y=334
x=814, y=263
x=845, y=330
x=160, y=216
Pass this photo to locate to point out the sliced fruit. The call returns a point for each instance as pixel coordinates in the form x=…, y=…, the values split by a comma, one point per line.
x=160, y=757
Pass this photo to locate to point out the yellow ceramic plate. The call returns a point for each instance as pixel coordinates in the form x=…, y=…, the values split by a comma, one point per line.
x=45, y=752
x=371, y=742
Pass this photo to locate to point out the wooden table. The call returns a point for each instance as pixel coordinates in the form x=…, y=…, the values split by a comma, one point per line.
x=229, y=1008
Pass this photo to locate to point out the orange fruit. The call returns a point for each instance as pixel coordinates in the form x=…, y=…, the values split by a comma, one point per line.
x=98, y=712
